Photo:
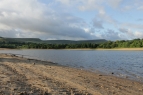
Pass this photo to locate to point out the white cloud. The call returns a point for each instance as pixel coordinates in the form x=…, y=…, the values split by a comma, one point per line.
x=85, y=5
x=34, y=18
x=140, y=8
x=131, y=34
x=97, y=23
x=138, y=34
x=91, y=5
x=102, y=17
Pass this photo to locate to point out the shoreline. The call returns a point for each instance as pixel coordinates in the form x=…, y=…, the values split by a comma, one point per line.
x=18, y=74
x=118, y=49
x=124, y=49
x=80, y=68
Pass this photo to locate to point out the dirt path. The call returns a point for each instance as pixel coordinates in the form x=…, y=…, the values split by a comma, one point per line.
x=19, y=76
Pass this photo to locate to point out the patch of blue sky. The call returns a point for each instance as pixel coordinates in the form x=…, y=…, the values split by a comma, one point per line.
x=127, y=16
x=131, y=16
x=45, y=1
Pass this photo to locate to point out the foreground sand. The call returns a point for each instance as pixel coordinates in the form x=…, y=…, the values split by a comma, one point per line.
x=19, y=76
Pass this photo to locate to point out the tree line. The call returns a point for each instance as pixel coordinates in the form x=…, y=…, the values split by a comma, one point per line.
x=30, y=45
x=136, y=43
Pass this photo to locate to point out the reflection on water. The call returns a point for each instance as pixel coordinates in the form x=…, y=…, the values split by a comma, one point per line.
x=121, y=63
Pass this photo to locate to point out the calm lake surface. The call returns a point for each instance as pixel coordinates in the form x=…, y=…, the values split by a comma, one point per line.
x=122, y=63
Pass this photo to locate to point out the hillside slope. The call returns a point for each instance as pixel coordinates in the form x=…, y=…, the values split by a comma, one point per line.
x=37, y=40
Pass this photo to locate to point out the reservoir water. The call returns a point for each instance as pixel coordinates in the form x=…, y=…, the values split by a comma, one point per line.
x=128, y=64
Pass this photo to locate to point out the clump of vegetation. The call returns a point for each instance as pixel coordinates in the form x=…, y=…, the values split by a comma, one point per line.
x=136, y=43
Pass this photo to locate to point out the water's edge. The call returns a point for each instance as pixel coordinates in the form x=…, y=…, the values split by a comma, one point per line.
x=139, y=79
x=125, y=64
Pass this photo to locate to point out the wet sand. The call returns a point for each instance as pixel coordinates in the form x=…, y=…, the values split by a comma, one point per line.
x=23, y=76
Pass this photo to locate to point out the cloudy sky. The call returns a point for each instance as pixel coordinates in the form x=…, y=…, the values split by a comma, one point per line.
x=72, y=19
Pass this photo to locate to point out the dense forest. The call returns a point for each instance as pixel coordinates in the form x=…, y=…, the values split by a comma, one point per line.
x=30, y=45
x=136, y=43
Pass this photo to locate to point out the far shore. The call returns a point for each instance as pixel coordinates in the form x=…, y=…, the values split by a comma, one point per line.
x=122, y=49
x=80, y=49
x=116, y=49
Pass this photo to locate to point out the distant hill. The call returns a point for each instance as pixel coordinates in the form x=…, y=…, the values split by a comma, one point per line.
x=74, y=42
x=20, y=39
x=37, y=40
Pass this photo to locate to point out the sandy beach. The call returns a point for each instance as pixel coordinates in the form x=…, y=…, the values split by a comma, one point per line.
x=23, y=76
x=122, y=49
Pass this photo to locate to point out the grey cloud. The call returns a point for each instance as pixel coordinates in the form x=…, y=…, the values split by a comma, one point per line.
x=98, y=23
x=126, y=32
x=43, y=21
x=60, y=26
x=123, y=30
x=131, y=34
x=140, y=19
x=8, y=33
x=111, y=35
